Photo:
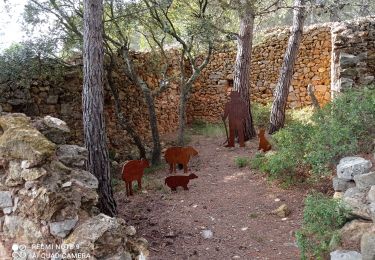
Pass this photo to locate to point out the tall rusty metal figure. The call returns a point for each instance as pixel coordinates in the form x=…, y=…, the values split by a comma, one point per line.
x=235, y=110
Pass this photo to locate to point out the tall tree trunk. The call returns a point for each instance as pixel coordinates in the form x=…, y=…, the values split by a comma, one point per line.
x=182, y=117
x=156, y=151
x=149, y=99
x=277, y=117
x=242, y=67
x=125, y=125
x=93, y=102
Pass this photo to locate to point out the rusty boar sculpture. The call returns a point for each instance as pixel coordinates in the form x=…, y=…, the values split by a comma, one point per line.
x=133, y=171
x=179, y=181
x=179, y=155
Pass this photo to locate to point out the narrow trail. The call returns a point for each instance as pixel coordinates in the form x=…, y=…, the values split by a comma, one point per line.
x=234, y=203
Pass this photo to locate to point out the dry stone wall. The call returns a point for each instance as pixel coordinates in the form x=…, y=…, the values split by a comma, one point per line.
x=312, y=66
x=353, y=55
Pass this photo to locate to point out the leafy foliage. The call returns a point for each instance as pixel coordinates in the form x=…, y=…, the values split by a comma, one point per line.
x=343, y=127
x=322, y=217
x=261, y=114
x=23, y=62
x=241, y=161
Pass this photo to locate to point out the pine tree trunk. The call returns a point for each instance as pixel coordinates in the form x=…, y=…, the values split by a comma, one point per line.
x=277, y=117
x=182, y=117
x=93, y=101
x=242, y=67
x=156, y=151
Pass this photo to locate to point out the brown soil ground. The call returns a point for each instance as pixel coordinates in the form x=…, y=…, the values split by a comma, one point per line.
x=234, y=203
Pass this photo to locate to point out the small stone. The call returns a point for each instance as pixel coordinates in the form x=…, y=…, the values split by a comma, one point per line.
x=356, y=199
x=345, y=255
x=338, y=195
x=5, y=199
x=130, y=231
x=282, y=211
x=52, y=100
x=207, y=234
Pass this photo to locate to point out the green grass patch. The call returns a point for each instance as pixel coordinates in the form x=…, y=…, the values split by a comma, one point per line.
x=208, y=129
x=322, y=218
x=241, y=161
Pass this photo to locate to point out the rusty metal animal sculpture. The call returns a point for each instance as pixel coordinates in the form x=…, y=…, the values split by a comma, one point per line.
x=133, y=171
x=179, y=155
x=264, y=145
x=235, y=110
x=179, y=181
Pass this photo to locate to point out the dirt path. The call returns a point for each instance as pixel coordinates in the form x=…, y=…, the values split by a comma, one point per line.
x=234, y=203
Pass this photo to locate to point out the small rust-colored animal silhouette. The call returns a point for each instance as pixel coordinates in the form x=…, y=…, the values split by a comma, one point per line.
x=263, y=143
x=179, y=155
x=133, y=171
x=175, y=181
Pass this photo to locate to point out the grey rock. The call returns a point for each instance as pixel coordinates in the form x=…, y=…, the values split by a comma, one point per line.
x=130, y=231
x=5, y=199
x=365, y=181
x=8, y=210
x=21, y=228
x=372, y=211
x=348, y=167
x=14, y=176
x=366, y=80
x=72, y=155
x=33, y=173
x=345, y=255
x=347, y=60
x=371, y=194
x=368, y=246
x=345, y=83
x=53, y=128
x=351, y=233
x=84, y=179
x=342, y=184
x=356, y=200
x=62, y=228
x=207, y=234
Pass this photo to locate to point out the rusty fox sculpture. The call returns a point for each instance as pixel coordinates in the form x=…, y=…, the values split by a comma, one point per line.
x=179, y=155
x=264, y=145
x=175, y=181
x=133, y=171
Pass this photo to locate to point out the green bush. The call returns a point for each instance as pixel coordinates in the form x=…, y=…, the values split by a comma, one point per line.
x=322, y=218
x=241, y=161
x=343, y=127
x=208, y=129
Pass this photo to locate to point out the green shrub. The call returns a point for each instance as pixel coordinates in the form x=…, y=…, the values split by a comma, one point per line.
x=322, y=218
x=261, y=114
x=241, y=161
x=343, y=127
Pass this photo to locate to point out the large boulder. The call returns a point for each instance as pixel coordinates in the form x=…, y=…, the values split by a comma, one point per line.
x=342, y=184
x=352, y=166
x=356, y=200
x=100, y=236
x=23, y=142
x=351, y=233
x=53, y=128
x=365, y=181
x=368, y=246
x=72, y=155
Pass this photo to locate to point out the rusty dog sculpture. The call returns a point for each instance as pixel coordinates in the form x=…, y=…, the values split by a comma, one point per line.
x=179, y=181
x=264, y=145
x=179, y=155
x=133, y=171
